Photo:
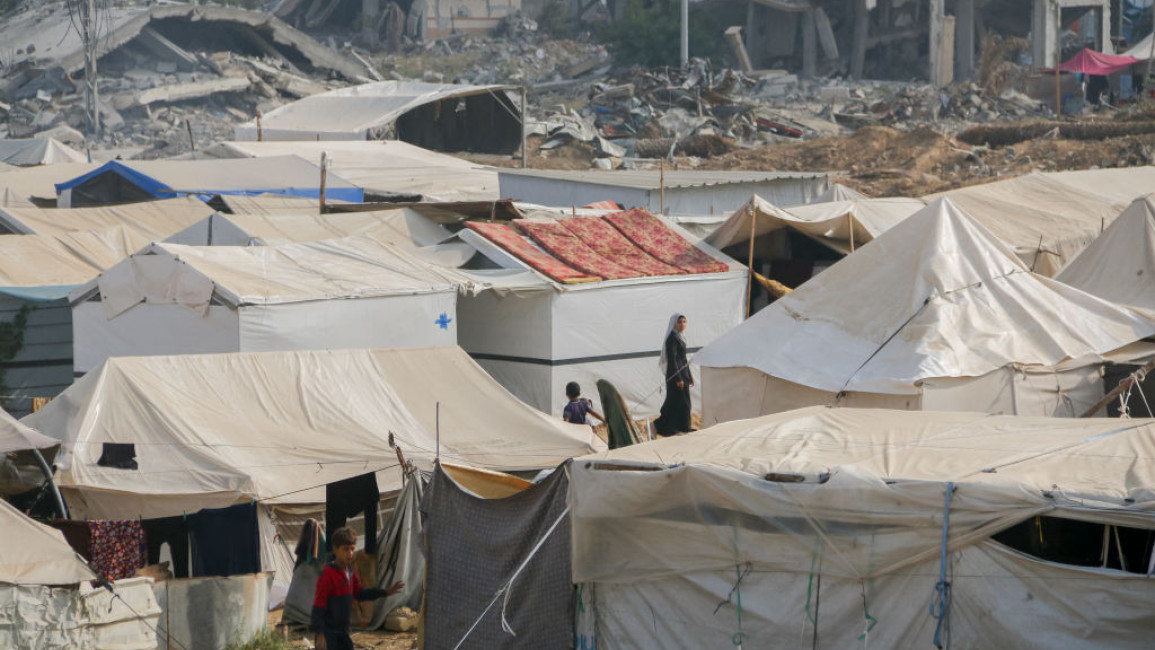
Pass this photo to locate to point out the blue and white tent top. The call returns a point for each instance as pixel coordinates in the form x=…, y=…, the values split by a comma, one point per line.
x=164, y=179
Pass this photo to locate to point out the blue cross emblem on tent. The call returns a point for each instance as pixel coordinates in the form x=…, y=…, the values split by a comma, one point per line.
x=443, y=321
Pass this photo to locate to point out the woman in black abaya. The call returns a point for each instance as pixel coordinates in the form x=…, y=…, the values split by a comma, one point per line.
x=675, y=417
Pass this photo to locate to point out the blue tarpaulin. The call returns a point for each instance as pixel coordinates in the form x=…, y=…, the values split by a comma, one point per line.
x=287, y=175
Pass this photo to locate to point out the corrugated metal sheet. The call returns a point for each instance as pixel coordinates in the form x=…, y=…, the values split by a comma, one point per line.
x=652, y=178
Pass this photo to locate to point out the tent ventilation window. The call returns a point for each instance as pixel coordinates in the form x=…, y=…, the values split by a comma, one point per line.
x=120, y=455
x=1080, y=543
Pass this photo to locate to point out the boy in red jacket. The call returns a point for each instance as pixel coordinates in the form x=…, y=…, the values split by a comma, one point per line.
x=337, y=588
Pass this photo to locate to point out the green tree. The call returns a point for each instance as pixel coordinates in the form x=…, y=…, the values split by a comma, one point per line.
x=11, y=340
x=649, y=34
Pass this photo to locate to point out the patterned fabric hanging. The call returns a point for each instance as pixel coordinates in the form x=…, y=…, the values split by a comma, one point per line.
x=118, y=548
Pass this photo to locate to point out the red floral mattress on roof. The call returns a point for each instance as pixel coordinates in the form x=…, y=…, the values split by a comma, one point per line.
x=613, y=245
x=655, y=238
x=507, y=238
x=558, y=241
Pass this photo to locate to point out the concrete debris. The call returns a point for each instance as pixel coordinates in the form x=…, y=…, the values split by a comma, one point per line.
x=213, y=65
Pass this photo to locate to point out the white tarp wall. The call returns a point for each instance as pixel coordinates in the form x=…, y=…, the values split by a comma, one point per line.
x=534, y=344
x=386, y=322
x=849, y=556
x=212, y=612
x=742, y=393
x=353, y=293
x=79, y=618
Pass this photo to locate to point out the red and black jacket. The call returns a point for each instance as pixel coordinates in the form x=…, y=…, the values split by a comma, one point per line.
x=333, y=600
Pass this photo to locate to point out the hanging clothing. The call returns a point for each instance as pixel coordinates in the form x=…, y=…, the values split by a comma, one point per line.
x=225, y=541
x=118, y=548
x=309, y=544
x=675, y=413
x=174, y=532
x=346, y=498
x=78, y=535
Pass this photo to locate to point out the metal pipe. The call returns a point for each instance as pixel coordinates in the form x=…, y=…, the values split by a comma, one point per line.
x=61, y=508
x=685, y=33
x=524, y=153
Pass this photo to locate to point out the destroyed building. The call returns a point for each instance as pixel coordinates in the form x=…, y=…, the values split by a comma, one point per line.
x=937, y=40
x=148, y=57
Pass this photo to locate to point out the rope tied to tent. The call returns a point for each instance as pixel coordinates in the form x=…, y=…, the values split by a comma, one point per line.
x=940, y=605
x=505, y=588
x=736, y=594
x=870, y=621
x=739, y=636
x=1137, y=378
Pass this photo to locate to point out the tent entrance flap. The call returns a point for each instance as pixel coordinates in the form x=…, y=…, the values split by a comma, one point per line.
x=107, y=188
x=484, y=123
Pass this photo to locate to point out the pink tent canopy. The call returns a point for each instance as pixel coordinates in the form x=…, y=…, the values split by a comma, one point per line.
x=1089, y=61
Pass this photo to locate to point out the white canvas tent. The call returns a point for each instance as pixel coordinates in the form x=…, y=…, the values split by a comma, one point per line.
x=848, y=528
x=38, y=151
x=155, y=219
x=421, y=113
x=349, y=293
x=36, y=274
x=18, y=186
x=1119, y=266
x=832, y=223
x=64, y=259
x=34, y=554
x=213, y=430
x=1121, y=185
x=383, y=167
x=535, y=335
x=401, y=227
x=936, y=314
x=1045, y=219
x=839, y=192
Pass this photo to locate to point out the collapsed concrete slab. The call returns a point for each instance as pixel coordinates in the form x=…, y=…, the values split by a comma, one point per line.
x=48, y=51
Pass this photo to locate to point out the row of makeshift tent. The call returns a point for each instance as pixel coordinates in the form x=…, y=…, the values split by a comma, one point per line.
x=840, y=525
x=253, y=365
x=934, y=314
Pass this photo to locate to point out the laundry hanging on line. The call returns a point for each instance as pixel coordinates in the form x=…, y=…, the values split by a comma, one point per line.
x=344, y=499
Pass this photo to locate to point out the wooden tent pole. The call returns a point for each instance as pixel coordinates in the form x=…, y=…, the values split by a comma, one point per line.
x=750, y=260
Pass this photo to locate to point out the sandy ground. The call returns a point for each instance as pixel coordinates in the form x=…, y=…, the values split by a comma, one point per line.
x=883, y=161
x=375, y=640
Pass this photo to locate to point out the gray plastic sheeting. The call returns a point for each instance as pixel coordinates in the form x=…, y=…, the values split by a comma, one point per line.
x=212, y=613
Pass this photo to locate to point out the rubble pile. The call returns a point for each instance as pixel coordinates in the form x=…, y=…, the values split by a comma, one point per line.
x=171, y=78
x=630, y=116
x=517, y=53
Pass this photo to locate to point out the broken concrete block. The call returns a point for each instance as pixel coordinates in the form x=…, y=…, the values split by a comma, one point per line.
x=45, y=119
x=833, y=94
